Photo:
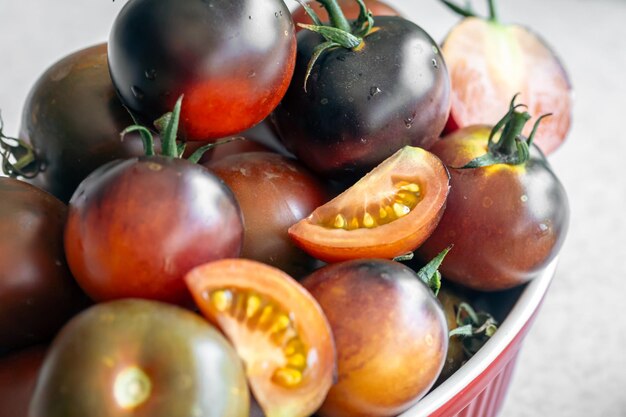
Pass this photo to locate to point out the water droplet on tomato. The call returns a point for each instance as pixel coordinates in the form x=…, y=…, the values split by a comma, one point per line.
x=251, y=74
x=137, y=92
x=150, y=74
x=408, y=122
x=324, y=101
x=374, y=90
x=435, y=64
x=487, y=202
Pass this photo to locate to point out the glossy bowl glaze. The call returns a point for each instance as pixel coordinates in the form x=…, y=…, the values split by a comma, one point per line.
x=479, y=388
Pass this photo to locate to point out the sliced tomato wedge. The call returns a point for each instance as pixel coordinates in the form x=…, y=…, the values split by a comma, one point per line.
x=276, y=326
x=388, y=213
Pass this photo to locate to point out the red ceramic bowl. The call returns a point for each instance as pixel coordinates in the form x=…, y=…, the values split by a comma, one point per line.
x=478, y=389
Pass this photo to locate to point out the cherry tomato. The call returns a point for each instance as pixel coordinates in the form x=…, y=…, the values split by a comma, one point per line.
x=232, y=59
x=140, y=358
x=350, y=9
x=388, y=213
x=37, y=292
x=361, y=105
x=278, y=329
x=73, y=118
x=274, y=192
x=135, y=227
x=18, y=374
x=390, y=332
x=507, y=222
x=489, y=62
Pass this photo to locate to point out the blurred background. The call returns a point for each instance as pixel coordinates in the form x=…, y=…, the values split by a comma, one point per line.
x=572, y=363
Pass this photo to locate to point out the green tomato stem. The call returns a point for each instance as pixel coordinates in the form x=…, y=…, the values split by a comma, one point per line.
x=493, y=16
x=337, y=18
x=25, y=163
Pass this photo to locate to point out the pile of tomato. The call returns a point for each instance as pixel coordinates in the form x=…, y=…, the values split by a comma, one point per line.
x=230, y=209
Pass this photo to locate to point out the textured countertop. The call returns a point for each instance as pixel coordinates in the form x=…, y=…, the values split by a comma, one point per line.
x=572, y=363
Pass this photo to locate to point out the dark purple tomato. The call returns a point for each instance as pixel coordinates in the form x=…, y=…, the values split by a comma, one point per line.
x=135, y=227
x=361, y=106
x=37, y=292
x=506, y=222
x=18, y=375
x=232, y=59
x=73, y=119
x=390, y=334
x=140, y=358
x=274, y=193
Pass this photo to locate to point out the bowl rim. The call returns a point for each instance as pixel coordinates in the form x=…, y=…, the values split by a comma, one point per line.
x=520, y=315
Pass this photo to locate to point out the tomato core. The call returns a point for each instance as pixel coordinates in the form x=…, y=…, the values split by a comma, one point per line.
x=132, y=387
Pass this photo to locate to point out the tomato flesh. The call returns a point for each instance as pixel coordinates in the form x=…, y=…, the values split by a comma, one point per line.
x=387, y=213
x=277, y=328
x=489, y=63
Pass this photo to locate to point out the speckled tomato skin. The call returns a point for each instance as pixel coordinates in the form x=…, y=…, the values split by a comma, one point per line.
x=135, y=227
x=390, y=334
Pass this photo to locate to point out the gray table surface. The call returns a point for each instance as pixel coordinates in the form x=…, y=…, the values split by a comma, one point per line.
x=572, y=363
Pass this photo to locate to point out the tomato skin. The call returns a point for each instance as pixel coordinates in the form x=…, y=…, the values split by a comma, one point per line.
x=73, y=118
x=37, y=292
x=506, y=222
x=379, y=310
x=362, y=106
x=232, y=60
x=135, y=227
x=191, y=367
x=350, y=9
x=18, y=375
x=274, y=192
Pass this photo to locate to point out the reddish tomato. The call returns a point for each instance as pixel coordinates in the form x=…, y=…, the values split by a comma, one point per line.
x=506, y=221
x=489, y=62
x=37, y=292
x=390, y=333
x=18, y=375
x=278, y=329
x=350, y=9
x=136, y=227
x=387, y=213
x=140, y=358
x=232, y=59
x=274, y=192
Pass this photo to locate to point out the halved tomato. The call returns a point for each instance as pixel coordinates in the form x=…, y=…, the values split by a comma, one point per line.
x=276, y=326
x=387, y=213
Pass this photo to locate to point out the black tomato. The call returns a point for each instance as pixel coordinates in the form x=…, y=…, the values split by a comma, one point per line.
x=135, y=227
x=37, y=292
x=140, y=358
x=72, y=118
x=360, y=106
x=274, y=192
x=232, y=60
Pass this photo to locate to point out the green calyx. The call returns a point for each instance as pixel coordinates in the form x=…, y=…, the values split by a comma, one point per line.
x=19, y=159
x=467, y=11
x=167, y=125
x=430, y=274
x=340, y=33
x=475, y=328
x=511, y=148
